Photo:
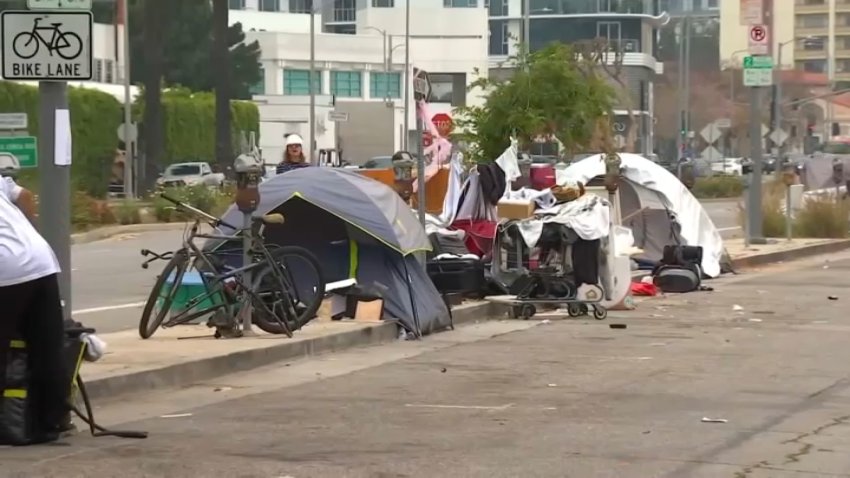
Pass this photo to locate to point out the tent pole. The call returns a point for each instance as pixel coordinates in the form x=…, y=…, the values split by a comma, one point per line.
x=412, y=300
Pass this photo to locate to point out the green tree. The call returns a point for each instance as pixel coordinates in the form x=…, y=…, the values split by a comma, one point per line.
x=553, y=94
x=189, y=39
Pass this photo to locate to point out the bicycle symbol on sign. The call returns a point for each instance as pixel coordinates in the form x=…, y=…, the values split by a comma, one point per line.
x=67, y=45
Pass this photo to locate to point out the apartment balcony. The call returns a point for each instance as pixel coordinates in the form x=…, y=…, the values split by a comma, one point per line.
x=811, y=31
x=801, y=6
x=839, y=53
x=842, y=6
x=635, y=59
x=842, y=29
x=801, y=54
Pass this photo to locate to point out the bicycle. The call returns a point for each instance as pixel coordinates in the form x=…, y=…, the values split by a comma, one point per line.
x=68, y=45
x=272, y=295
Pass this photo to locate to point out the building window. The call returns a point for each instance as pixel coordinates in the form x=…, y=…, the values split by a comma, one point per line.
x=98, y=70
x=812, y=66
x=497, y=8
x=300, y=6
x=108, y=71
x=383, y=3
x=347, y=84
x=296, y=82
x=819, y=43
x=499, y=37
x=460, y=3
x=345, y=11
x=385, y=85
x=269, y=5
x=237, y=4
x=259, y=88
x=812, y=21
x=609, y=31
x=448, y=88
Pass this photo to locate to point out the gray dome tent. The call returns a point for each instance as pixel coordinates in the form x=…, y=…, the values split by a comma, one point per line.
x=358, y=228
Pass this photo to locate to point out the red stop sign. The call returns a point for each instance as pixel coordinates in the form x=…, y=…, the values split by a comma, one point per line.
x=443, y=123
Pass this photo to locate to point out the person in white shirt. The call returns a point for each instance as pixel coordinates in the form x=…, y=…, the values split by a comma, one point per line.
x=31, y=309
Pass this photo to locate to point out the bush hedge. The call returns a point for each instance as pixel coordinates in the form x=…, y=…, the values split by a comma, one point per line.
x=820, y=217
x=718, y=187
x=190, y=124
x=95, y=117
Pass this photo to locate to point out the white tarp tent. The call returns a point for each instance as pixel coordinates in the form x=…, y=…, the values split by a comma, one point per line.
x=660, y=208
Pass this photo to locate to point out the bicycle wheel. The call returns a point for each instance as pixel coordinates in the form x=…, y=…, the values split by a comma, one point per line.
x=174, y=270
x=288, y=298
x=68, y=45
x=25, y=45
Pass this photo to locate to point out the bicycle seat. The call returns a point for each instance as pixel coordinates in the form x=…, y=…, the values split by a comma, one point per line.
x=274, y=218
x=56, y=24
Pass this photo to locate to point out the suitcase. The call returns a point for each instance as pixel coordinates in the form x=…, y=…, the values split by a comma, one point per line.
x=465, y=276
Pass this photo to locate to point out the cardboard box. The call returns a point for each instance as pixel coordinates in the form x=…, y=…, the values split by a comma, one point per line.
x=515, y=209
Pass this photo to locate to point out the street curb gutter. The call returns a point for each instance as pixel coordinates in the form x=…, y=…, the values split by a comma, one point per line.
x=102, y=233
x=790, y=254
x=208, y=368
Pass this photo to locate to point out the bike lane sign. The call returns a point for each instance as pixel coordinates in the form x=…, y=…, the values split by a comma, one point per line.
x=47, y=46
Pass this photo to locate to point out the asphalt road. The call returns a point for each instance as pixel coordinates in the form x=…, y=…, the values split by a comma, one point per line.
x=109, y=288
x=750, y=380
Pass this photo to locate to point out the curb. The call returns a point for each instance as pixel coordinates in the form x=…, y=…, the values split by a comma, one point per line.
x=790, y=254
x=102, y=233
x=193, y=371
x=774, y=257
x=719, y=200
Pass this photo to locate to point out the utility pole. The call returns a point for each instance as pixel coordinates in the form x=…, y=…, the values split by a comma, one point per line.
x=312, y=82
x=687, y=84
x=526, y=28
x=680, y=123
x=406, y=137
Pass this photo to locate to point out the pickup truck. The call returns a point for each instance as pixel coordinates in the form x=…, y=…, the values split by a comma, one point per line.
x=190, y=174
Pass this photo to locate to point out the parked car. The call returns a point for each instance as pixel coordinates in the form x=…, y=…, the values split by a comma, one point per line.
x=190, y=174
x=730, y=166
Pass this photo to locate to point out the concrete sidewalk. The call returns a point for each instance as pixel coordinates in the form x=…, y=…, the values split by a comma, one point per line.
x=185, y=355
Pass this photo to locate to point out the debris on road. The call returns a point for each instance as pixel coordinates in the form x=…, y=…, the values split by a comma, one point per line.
x=222, y=389
x=737, y=308
x=832, y=297
x=617, y=326
x=176, y=415
x=714, y=420
x=755, y=320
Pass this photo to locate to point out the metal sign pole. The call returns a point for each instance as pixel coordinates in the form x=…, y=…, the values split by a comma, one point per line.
x=754, y=204
x=55, y=192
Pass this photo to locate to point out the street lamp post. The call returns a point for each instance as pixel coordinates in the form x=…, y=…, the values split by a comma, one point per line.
x=129, y=161
x=312, y=83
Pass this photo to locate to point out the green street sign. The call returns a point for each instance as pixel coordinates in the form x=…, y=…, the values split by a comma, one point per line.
x=758, y=62
x=25, y=148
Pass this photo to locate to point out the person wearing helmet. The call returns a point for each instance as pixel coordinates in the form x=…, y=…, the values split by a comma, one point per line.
x=293, y=157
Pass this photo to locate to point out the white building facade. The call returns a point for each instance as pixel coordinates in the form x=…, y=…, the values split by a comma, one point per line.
x=360, y=64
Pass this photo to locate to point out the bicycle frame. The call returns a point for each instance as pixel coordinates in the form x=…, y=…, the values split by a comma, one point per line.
x=218, y=279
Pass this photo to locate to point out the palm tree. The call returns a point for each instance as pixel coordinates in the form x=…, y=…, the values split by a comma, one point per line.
x=220, y=57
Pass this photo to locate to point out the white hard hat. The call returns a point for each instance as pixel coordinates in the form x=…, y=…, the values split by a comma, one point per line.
x=294, y=139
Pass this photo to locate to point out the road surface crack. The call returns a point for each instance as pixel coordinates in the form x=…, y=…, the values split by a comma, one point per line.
x=804, y=447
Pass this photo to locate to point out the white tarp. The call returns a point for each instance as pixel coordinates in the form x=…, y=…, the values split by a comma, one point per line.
x=697, y=229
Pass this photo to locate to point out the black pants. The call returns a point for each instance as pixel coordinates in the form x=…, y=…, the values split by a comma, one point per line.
x=32, y=311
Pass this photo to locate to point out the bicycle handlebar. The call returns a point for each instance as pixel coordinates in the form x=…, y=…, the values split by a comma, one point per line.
x=216, y=222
